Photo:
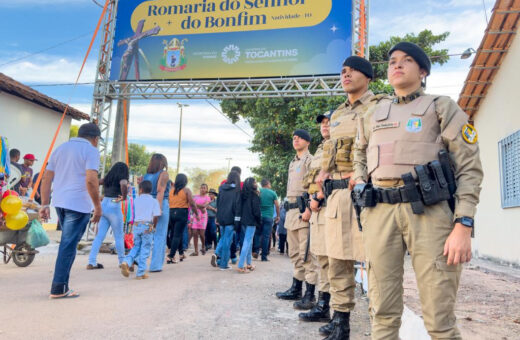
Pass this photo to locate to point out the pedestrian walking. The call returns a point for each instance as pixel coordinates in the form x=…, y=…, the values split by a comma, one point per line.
x=228, y=216
x=250, y=218
x=115, y=190
x=157, y=174
x=180, y=201
x=200, y=220
x=73, y=173
x=147, y=212
x=268, y=204
x=211, y=228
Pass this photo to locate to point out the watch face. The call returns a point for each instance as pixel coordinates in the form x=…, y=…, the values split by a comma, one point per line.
x=467, y=221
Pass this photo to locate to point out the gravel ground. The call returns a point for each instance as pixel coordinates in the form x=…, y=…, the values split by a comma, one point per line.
x=488, y=301
x=189, y=300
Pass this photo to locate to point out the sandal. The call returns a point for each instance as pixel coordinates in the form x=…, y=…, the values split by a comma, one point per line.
x=242, y=270
x=169, y=260
x=250, y=267
x=194, y=254
x=203, y=252
x=70, y=294
x=97, y=266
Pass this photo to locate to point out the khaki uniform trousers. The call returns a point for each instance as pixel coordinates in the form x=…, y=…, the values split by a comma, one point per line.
x=319, y=249
x=298, y=237
x=344, y=246
x=390, y=230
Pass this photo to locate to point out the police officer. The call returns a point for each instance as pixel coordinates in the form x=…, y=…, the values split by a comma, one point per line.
x=321, y=311
x=395, y=139
x=343, y=238
x=297, y=225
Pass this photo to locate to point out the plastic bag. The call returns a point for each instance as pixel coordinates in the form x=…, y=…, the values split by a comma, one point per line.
x=129, y=241
x=37, y=236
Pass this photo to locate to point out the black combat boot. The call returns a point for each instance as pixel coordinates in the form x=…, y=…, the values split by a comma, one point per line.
x=342, y=327
x=329, y=328
x=308, y=300
x=293, y=293
x=320, y=312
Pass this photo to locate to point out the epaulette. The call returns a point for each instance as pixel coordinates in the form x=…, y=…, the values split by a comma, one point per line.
x=378, y=97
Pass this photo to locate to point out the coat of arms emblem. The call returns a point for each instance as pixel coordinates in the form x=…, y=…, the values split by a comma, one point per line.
x=174, y=58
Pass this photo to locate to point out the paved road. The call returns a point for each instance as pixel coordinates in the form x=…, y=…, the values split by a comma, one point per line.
x=190, y=300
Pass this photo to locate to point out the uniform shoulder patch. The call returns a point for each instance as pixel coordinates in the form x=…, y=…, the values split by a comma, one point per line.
x=469, y=133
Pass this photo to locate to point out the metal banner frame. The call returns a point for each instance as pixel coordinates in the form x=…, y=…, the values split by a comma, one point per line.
x=105, y=91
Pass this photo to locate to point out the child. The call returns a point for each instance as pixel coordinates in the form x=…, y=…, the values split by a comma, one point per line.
x=147, y=212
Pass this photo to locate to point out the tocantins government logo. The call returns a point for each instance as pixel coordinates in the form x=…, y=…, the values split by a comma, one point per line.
x=230, y=54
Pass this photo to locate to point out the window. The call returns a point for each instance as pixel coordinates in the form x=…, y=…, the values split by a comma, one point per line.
x=509, y=156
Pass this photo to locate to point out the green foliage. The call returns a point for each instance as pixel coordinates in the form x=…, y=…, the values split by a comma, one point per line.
x=138, y=158
x=198, y=176
x=73, y=131
x=274, y=120
x=425, y=39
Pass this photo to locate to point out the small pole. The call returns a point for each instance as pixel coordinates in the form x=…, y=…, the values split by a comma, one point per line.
x=180, y=138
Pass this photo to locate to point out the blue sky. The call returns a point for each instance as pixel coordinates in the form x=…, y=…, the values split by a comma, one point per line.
x=28, y=26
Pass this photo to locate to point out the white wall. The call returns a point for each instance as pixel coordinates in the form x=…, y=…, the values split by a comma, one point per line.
x=497, y=233
x=30, y=127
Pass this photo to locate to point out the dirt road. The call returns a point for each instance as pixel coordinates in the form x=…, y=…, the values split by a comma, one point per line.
x=190, y=300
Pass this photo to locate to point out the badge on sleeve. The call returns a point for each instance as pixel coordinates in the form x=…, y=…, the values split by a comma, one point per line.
x=469, y=133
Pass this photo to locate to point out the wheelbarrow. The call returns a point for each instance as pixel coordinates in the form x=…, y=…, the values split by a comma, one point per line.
x=13, y=245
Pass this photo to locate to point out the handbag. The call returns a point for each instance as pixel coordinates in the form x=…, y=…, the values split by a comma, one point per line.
x=37, y=236
x=129, y=241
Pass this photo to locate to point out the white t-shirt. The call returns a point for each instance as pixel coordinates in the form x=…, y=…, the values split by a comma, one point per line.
x=70, y=162
x=146, y=208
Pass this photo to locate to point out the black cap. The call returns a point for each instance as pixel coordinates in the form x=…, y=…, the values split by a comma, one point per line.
x=213, y=191
x=322, y=116
x=360, y=64
x=415, y=52
x=303, y=134
x=89, y=130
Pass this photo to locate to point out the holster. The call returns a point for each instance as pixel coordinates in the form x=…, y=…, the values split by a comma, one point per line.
x=303, y=202
x=412, y=192
x=449, y=175
x=363, y=195
x=433, y=184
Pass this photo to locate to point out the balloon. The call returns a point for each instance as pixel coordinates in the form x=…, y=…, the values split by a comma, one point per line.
x=11, y=205
x=17, y=221
x=10, y=193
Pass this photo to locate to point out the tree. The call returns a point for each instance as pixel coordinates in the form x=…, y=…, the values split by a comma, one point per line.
x=138, y=158
x=274, y=120
x=198, y=176
x=73, y=131
x=425, y=39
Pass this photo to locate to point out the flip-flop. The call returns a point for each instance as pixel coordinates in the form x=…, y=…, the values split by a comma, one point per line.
x=70, y=294
x=97, y=266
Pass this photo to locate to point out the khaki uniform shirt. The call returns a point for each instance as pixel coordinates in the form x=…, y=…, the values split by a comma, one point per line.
x=297, y=170
x=451, y=121
x=337, y=154
x=309, y=181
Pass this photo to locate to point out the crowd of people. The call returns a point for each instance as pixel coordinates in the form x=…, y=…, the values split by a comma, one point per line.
x=239, y=221
x=371, y=146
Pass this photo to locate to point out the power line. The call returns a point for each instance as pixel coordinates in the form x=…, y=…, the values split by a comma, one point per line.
x=46, y=49
x=229, y=120
x=485, y=11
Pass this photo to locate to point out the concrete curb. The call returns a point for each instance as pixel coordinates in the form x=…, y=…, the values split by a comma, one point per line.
x=412, y=326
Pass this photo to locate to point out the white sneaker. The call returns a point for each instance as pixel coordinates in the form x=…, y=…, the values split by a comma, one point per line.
x=227, y=268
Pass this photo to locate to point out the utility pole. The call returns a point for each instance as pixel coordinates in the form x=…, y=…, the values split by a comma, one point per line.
x=228, y=164
x=180, y=137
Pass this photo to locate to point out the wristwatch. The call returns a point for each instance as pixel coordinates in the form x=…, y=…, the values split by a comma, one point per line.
x=465, y=221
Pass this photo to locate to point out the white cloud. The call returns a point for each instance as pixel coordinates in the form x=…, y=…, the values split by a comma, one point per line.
x=207, y=137
x=49, y=69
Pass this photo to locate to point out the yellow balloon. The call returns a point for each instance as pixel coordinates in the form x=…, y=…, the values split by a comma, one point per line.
x=11, y=205
x=17, y=221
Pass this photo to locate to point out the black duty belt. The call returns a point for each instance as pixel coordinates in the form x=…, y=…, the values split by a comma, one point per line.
x=335, y=184
x=391, y=195
x=288, y=206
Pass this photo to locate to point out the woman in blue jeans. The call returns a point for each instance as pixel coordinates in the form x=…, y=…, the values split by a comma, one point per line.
x=228, y=215
x=157, y=173
x=250, y=218
x=115, y=186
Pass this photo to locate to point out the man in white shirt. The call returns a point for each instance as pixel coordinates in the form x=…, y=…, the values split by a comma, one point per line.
x=73, y=173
